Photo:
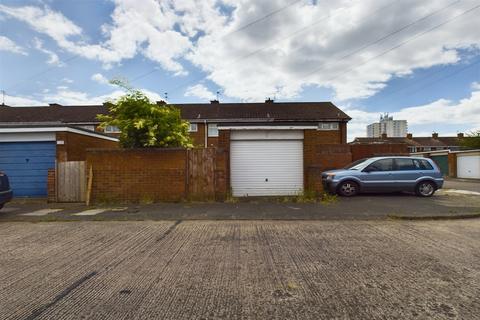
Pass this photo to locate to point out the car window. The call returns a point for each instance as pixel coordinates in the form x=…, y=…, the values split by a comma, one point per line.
x=381, y=165
x=354, y=165
x=422, y=164
x=405, y=164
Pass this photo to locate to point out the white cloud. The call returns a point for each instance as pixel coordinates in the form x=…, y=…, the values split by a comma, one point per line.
x=283, y=64
x=44, y=20
x=53, y=58
x=475, y=86
x=21, y=101
x=8, y=45
x=99, y=78
x=199, y=91
x=137, y=27
x=333, y=45
x=65, y=96
x=67, y=80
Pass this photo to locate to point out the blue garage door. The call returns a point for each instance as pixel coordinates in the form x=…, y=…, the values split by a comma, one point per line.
x=27, y=164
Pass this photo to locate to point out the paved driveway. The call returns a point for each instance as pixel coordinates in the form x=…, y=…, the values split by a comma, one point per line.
x=363, y=207
x=462, y=184
x=235, y=269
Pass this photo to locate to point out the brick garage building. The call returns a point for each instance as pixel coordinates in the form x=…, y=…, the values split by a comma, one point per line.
x=270, y=148
x=27, y=153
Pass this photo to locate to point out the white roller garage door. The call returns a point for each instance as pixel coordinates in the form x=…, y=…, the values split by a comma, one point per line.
x=468, y=166
x=266, y=163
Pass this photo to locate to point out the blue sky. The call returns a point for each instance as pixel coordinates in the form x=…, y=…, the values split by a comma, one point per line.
x=417, y=60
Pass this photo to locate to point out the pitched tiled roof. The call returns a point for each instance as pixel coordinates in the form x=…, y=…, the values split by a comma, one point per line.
x=283, y=111
x=269, y=111
x=51, y=114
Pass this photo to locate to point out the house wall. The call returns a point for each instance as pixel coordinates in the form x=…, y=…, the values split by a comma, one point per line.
x=199, y=137
x=74, y=146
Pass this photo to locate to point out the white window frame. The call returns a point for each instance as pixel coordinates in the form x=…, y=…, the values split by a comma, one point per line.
x=328, y=126
x=212, y=130
x=112, y=129
x=193, y=127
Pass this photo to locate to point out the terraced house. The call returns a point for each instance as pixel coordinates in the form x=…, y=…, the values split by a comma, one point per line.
x=273, y=148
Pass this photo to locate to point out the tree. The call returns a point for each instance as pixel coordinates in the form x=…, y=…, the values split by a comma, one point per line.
x=472, y=140
x=145, y=124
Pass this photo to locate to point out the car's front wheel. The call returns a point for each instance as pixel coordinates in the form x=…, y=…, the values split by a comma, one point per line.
x=425, y=189
x=348, y=189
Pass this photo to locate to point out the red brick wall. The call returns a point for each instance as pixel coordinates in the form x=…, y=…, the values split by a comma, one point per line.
x=138, y=175
x=452, y=165
x=75, y=146
x=51, y=186
x=360, y=151
x=343, y=132
x=224, y=148
x=314, y=137
x=322, y=151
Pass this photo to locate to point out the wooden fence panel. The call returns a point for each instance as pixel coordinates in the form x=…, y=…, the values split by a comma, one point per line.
x=201, y=174
x=71, y=181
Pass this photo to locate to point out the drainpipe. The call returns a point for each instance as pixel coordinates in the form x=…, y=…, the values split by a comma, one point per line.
x=206, y=133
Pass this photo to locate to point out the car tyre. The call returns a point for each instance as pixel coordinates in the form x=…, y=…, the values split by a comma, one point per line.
x=348, y=189
x=425, y=189
x=1, y=206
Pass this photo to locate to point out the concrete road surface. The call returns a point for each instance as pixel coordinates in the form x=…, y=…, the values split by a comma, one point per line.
x=240, y=270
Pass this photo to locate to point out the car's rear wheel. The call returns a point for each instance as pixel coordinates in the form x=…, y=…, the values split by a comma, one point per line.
x=1, y=206
x=425, y=189
x=348, y=189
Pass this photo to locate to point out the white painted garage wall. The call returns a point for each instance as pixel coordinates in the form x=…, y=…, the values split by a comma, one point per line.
x=266, y=164
x=468, y=165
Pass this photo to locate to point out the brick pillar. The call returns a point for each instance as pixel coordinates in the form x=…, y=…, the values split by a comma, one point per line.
x=452, y=165
x=223, y=155
x=51, y=186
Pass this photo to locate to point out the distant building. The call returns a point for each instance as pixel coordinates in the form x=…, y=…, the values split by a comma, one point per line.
x=388, y=126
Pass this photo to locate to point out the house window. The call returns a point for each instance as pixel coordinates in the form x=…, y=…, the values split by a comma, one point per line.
x=112, y=129
x=193, y=127
x=212, y=130
x=328, y=126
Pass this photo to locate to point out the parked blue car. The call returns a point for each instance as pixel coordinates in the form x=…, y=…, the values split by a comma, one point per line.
x=385, y=174
x=5, y=191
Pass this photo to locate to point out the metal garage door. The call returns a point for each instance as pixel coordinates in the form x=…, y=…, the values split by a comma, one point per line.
x=468, y=166
x=266, y=163
x=442, y=163
x=27, y=164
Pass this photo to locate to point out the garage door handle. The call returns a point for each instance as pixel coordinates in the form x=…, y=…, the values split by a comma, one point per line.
x=266, y=179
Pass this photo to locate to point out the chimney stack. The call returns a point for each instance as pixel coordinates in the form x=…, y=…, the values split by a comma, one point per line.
x=54, y=105
x=269, y=100
x=214, y=101
x=409, y=136
x=460, y=135
x=435, y=135
x=161, y=102
x=384, y=136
